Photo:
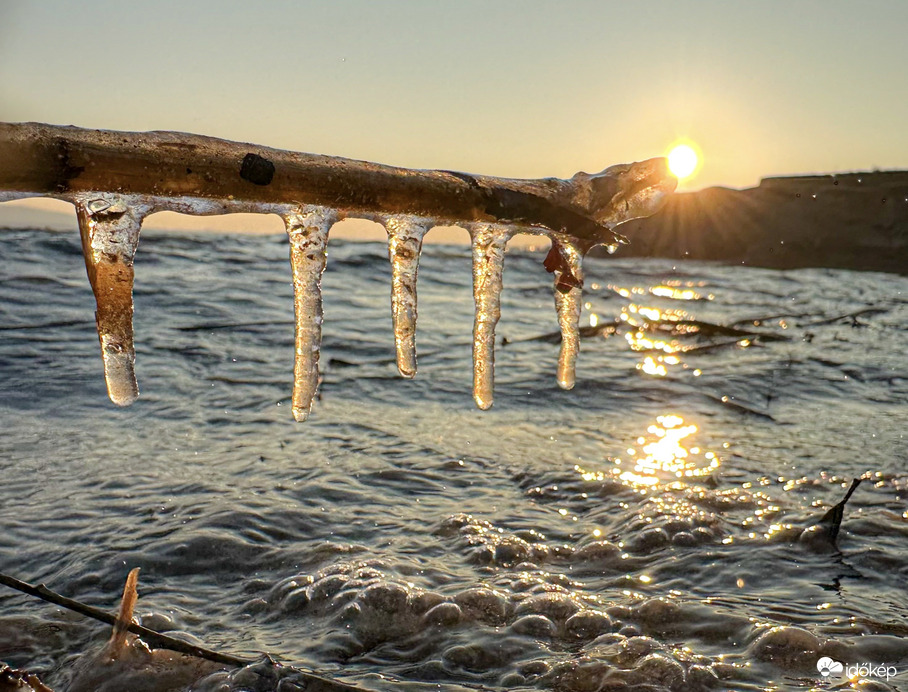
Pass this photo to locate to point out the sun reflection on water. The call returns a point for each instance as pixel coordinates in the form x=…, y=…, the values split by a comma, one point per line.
x=657, y=332
x=667, y=337
x=662, y=456
x=648, y=319
x=675, y=293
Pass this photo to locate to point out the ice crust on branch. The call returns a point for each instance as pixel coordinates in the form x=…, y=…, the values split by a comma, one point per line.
x=116, y=179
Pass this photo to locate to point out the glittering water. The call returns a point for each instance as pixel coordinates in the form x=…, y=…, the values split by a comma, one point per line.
x=638, y=532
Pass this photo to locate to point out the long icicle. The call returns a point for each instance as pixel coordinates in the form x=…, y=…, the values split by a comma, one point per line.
x=110, y=235
x=308, y=229
x=405, y=236
x=489, y=242
x=568, y=305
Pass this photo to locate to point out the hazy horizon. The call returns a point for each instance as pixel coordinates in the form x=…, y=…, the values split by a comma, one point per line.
x=513, y=89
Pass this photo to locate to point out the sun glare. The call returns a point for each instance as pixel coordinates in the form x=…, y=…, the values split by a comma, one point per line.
x=682, y=161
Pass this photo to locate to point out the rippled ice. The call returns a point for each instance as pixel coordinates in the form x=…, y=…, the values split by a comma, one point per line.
x=639, y=532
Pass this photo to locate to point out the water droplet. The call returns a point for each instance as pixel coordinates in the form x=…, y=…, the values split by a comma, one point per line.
x=96, y=206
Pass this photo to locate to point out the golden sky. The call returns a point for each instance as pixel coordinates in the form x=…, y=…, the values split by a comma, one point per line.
x=512, y=88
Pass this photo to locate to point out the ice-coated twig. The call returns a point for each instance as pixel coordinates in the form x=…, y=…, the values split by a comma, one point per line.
x=219, y=176
x=405, y=236
x=110, y=235
x=568, y=303
x=308, y=230
x=115, y=179
x=489, y=243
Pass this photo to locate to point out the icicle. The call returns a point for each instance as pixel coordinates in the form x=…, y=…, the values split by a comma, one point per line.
x=489, y=242
x=308, y=229
x=110, y=235
x=405, y=235
x=568, y=306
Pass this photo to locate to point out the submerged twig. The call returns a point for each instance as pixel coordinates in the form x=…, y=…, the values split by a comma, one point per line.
x=675, y=327
x=832, y=520
x=709, y=329
x=757, y=321
x=853, y=316
x=823, y=534
x=156, y=639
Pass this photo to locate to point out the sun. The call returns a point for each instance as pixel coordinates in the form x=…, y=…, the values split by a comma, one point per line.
x=682, y=161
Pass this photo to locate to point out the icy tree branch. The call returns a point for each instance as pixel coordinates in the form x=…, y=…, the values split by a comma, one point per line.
x=115, y=179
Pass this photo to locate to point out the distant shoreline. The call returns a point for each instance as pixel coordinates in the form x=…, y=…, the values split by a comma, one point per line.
x=850, y=221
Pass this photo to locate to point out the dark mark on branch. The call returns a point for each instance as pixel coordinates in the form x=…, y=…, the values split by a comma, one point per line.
x=64, y=171
x=257, y=170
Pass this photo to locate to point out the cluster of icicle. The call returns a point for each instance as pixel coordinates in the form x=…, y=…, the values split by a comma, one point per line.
x=110, y=226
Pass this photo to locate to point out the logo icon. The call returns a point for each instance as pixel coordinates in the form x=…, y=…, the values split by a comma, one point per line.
x=828, y=666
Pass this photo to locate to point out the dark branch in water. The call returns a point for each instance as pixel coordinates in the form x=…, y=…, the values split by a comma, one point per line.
x=675, y=327
x=832, y=520
x=158, y=640
x=853, y=316
x=756, y=321
x=823, y=534
x=313, y=682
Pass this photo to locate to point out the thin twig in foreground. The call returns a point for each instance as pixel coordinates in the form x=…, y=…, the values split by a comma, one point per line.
x=155, y=639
